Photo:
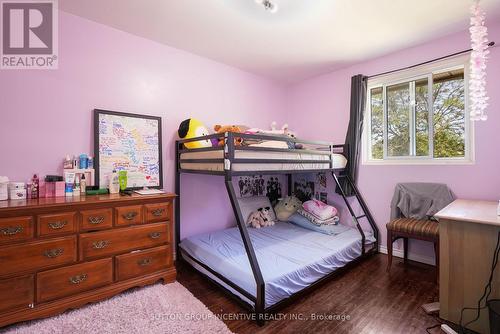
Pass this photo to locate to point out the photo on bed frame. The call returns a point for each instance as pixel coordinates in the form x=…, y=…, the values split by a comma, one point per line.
x=303, y=189
x=262, y=185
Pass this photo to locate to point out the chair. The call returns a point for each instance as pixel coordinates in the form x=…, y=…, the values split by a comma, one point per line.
x=405, y=228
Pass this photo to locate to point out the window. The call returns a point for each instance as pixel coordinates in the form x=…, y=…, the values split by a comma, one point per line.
x=419, y=116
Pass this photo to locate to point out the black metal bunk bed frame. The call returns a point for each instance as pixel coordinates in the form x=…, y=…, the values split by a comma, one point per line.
x=260, y=312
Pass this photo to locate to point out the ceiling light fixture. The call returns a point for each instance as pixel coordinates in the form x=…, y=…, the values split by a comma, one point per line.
x=268, y=5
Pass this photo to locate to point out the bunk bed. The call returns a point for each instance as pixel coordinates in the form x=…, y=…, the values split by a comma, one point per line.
x=265, y=269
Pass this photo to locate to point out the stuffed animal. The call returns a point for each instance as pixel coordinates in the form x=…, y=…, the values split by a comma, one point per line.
x=265, y=216
x=229, y=128
x=191, y=128
x=284, y=131
x=260, y=218
x=287, y=207
x=255, y=220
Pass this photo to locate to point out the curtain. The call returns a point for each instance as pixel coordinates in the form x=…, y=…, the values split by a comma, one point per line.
x=355, y=130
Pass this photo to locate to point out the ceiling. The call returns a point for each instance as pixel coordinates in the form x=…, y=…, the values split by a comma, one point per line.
x=303, y=39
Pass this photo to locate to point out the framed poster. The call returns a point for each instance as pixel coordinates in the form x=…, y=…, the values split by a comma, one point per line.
x=128, y=142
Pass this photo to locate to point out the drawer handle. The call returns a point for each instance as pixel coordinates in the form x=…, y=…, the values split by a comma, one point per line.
x=158, y=212
x=154, y=235
x=130, y=215
x=58, y=225
x=145, y=262
x=53, y=253
x=11, y=230
x=78, y=279
x=96, y=220
x=100, y=244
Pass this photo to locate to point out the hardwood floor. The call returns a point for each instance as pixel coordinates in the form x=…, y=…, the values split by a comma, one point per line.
x=375, y=301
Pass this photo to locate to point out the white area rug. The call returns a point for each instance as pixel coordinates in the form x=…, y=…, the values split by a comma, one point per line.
x=154, y=309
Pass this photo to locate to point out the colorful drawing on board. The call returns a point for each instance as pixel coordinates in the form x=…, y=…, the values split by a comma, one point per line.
x=131, y=144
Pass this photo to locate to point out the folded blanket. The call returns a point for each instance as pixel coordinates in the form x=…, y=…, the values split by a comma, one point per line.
x=319, y=209
x=313, y=219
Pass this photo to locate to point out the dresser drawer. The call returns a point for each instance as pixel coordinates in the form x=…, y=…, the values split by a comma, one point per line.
x=56, y=283
x=105, y=243
x=16, y=292
x=16, y=229
x=96, y=219
x=37, y=255
x=143, y=262
x=56, y=223
x=159, y=212
x=128, y=215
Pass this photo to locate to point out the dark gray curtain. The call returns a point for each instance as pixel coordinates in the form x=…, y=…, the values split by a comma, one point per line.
x=355, y=129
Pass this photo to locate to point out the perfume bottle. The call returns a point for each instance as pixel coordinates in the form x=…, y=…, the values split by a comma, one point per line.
x=35, y=184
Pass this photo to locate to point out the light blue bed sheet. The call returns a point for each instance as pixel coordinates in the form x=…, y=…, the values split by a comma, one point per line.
x=290, y=257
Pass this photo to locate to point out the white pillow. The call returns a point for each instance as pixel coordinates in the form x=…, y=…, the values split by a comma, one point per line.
x=251, y=204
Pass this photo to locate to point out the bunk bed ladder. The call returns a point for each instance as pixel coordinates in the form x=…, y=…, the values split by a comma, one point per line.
x=366, y=212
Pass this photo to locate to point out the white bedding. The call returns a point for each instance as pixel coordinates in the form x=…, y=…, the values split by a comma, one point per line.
x=339, y=161
x=290, y=257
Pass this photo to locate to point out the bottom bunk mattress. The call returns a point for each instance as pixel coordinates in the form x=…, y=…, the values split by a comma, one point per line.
x=290, y=257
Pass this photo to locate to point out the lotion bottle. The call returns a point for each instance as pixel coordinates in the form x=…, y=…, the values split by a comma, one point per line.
x=114, y=183
x=76, y=187
x=498, y=209
x=83, y=184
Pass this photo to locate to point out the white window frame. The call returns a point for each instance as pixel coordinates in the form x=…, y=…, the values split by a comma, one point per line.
x=409, y=75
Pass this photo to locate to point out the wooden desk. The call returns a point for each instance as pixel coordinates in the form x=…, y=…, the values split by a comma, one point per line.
x=468, y=232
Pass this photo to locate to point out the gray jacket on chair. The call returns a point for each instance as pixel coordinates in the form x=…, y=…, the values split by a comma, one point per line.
x=419, y=200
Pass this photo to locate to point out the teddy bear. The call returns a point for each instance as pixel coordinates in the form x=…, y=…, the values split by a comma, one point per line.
x=238, y=141
x=255, y=220
x=265, y=216
x=287, y=207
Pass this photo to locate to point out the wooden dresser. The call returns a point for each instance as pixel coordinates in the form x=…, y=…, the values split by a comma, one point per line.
x=61, y=253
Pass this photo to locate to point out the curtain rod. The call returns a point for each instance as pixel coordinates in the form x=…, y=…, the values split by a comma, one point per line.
x=490, y=44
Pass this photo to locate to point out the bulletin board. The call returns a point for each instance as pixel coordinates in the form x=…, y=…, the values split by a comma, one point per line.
x=130, y=142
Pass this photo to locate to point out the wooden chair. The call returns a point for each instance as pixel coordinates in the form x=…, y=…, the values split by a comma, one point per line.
x=405, y=228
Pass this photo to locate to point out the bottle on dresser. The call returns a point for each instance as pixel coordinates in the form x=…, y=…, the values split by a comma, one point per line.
x=83, y=184
x=114, y=183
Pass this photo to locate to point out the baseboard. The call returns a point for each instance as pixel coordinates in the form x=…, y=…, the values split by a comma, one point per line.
x=414, y=257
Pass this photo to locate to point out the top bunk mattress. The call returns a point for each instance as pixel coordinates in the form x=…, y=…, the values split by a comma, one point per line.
x=339, y=161
x=290, y=257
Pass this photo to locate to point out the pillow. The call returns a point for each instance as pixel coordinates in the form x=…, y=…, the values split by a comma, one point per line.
x=302, y=221
x=287, y=207
x=251, y=204
x=319, y=209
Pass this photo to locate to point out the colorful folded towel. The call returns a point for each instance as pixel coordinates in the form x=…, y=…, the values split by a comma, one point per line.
x=316, y=221
x=319, y=209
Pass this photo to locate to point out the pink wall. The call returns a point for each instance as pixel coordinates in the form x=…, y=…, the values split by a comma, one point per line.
x=319, y=108
x=46, y=114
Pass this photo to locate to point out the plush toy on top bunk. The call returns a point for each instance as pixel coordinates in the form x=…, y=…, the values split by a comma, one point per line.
x=283, y=132
x=238, y=141
x=260, y=218
x=191, y=128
